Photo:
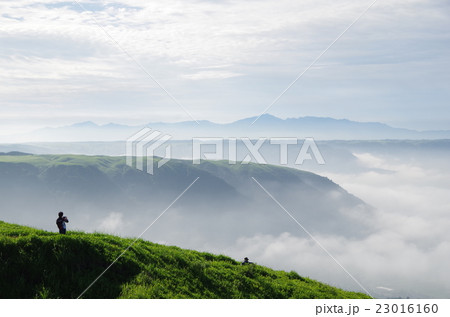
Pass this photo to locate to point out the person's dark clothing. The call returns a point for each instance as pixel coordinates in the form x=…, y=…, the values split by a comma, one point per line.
x=61, y=223
x=246, y=262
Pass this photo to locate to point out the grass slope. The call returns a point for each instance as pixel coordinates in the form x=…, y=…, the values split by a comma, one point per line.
x=41, y=264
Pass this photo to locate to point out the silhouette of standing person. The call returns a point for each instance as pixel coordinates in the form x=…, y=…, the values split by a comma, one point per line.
x=61, y=223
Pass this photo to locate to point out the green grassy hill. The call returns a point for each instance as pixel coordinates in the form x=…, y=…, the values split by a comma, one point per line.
x=41, y=264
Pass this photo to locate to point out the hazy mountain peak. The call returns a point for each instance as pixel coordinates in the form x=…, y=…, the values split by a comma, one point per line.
x=267, y=125
x=263, y=118
x=85, y=124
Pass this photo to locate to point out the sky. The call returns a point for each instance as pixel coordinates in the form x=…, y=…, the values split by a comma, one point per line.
x=134, y=62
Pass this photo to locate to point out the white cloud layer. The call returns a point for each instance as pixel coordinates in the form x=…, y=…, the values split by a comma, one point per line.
x=408, y=254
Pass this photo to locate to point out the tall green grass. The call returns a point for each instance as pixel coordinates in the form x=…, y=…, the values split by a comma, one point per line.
x=41, y=264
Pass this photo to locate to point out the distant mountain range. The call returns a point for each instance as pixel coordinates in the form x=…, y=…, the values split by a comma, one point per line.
x=320, y=128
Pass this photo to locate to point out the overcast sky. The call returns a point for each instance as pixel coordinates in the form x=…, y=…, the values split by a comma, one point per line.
x=222, y=61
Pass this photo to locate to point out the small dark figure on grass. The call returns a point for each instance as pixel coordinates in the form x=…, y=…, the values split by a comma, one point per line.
x=61, y=223
x=246, y=261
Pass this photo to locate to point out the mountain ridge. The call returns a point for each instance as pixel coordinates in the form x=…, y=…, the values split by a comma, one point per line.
x=321, y=128
x=95, y=188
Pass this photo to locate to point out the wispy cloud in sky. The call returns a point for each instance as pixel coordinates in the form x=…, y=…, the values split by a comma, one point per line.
x=223, y=60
